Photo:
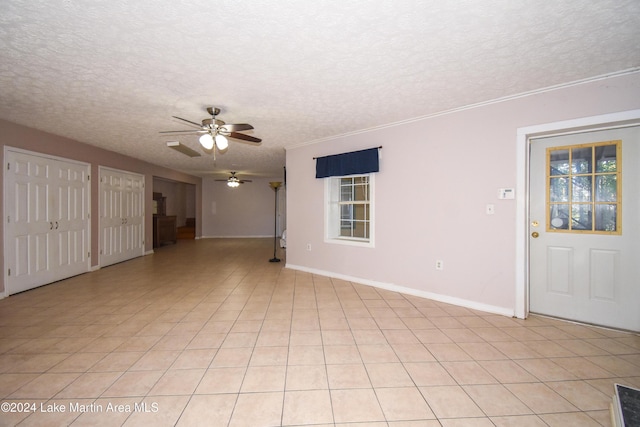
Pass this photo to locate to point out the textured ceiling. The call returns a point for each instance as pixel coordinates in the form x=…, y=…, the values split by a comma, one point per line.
x=112, y=73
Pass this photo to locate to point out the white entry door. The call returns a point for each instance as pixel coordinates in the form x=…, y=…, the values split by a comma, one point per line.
x=47, y=206
x=584, y=228
x=121, y=216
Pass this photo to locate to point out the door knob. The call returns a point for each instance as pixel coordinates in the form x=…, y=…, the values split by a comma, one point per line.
x=535, y=234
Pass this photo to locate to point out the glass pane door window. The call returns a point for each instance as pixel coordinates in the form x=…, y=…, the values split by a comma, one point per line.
x=583, y=187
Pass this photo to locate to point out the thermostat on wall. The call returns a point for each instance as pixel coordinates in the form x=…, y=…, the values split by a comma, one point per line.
x=506, y=193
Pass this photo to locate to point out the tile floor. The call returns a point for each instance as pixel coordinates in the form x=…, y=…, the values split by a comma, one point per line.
x=208, y=332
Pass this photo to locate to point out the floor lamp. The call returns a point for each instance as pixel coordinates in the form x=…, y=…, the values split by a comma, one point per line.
x=275, y=185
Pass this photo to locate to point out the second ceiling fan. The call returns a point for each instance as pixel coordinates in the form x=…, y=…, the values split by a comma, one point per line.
x=214, y=132
x=233, y=180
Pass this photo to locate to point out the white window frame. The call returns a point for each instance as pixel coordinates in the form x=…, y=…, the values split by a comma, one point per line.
x=332, y=213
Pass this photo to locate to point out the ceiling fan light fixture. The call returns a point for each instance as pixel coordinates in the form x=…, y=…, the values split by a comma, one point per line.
x=233, y=184
x=221, y=142
x=206, y=141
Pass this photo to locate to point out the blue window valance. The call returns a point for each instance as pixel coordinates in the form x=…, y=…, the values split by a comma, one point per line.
x=353, y=163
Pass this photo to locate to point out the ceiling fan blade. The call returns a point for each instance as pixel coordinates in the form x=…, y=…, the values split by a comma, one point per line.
x=242, y=136
x=188, y=121
x=184, y=131
x=242, y=181
x=238, y=127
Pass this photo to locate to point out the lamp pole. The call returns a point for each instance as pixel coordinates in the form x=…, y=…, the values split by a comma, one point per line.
x=275, y=185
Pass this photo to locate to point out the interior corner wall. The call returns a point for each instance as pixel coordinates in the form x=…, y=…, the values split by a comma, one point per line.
x=245, y=211
x=437, y=175
x=25, y=138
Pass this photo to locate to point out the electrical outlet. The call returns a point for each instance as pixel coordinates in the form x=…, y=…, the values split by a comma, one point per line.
x=308, y=246
x=439, y=265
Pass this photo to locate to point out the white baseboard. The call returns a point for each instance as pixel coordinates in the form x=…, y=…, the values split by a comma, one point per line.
x=474, y=305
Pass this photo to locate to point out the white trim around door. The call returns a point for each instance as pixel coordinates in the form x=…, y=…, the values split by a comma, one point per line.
x=524, y=136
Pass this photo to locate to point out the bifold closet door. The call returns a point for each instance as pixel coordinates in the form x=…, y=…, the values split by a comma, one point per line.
x=48, y=226
x=121, y=216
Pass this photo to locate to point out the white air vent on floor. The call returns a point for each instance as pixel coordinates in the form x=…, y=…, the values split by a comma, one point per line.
x=625, y=410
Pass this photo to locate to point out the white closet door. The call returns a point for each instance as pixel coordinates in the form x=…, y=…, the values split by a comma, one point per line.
x=47, y=209
x=121, y=216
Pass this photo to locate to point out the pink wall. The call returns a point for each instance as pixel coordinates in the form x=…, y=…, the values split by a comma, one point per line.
x=25, y=138
x=246, y=211
x=436, y=177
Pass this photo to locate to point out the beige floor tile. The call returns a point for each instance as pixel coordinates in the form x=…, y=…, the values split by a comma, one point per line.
x=466, y=422
x=429, y=374
x=307, y=407
x=388, y=375
x=273, y=339
x=307, y=377
x=306, y=355
x=139, y=343
x=254, y=409
x=78, y=362
x=518, y=421
x=178, y=382
x=91, y=384
x=507, y=371
x=516, y=350
x=362, y=323
x=9, y=383
x=337, y=337
x=117, y=362
x=347, y=376
x=451, y=352
x=216, y=409
x=582, y=395
x=368, y=336
x=468, y=373
x=575, y=419
x=581, y=367
x=341, y=354
x=44, y=386
x=135, y=383
x=194, y=359
x=377, y=353
x=301, y=338
x=540, y=398
x=400, y=336
x=618, y=366
x=353, y=406
x=269, y=356
x=155, y=360
x=413, y=353
x=496, y=400
x=107, y=412
x=450, y=402
x=546, y=370
x=37, y=363
x=406, y=403
x=221, y=380
x=240, y=340
x=482, y=351
x=264, y=379
x=49, y=413
x=158, y=411
x=231, y=357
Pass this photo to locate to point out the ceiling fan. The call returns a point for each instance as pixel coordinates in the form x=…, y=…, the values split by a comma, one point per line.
x=233, y=180
x=214, y=132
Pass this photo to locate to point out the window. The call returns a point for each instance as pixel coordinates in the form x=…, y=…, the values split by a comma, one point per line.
x=349, y=210
x=583, y=188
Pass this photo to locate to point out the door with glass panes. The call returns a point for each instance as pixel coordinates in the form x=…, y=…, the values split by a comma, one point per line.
x=584, y=227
